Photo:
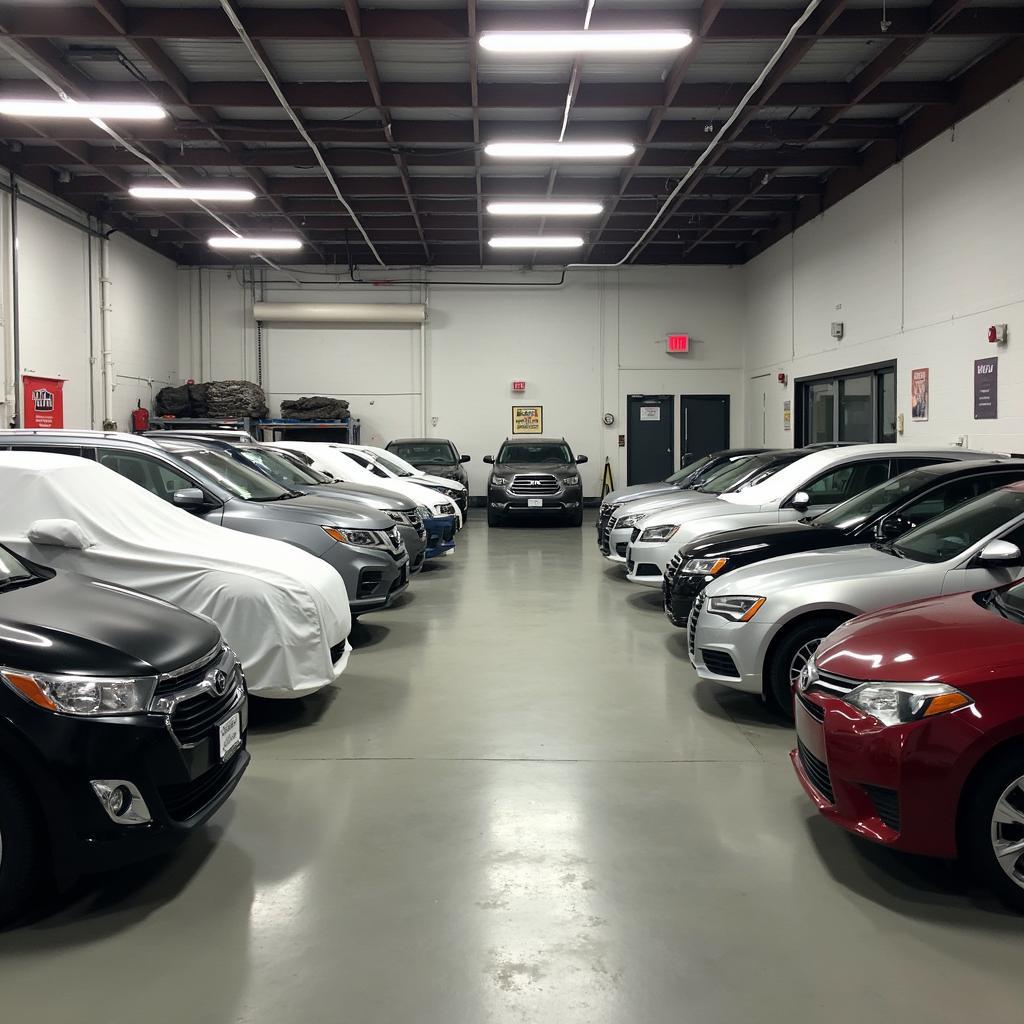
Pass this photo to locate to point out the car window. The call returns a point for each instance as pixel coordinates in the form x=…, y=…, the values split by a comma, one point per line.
x=903, y=465
x=689, y=475
x=286, y=472
x=846, y=481
x=425, y=453
x=534, y=454
x=721, y=479
x=945, y=497
x=863, y=506
x=239, y=480
x=52, y=449
x=155, y=476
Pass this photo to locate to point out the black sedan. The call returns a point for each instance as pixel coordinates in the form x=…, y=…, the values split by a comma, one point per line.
x=882, y=513
x=123, y=724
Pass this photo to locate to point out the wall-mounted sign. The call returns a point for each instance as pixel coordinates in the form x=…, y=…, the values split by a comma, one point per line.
x=43, y=405
x=519, y=385
x=677, y=343
x=527, y=419
x=650, y=413
x=787, y=415
x=919, y=394
x=986, y=385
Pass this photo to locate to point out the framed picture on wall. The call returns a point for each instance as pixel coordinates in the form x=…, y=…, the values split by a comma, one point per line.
x=527, y=419
x=919, y=394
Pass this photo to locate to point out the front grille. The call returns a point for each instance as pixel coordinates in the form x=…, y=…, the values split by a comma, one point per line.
x=692, y=624
x=175, y=684
x=635, y=535
x=673, y=566
x=719, y=662
x=604, y=528
x=533, y=485
x=337, y=651
x=830, y=682
x=186, y=799
x=887, y=805
x=816, y=711
x=193, y=717
x=817, y=772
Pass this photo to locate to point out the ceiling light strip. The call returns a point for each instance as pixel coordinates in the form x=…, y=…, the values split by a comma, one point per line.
x=81, y=110
x=541, y=208
x=251, y=244
x=584, y=42
x=211, y=194
x=535, y=242
x=559, y=150
x=229, y=10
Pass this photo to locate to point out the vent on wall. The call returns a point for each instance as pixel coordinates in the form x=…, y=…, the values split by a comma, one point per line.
x=339, y=313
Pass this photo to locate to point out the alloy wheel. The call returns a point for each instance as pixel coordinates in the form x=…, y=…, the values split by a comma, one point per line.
x=1007, y=831
x=800, y=659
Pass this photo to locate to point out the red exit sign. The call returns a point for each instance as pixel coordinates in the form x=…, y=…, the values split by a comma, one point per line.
x=519, y=385
x=678, y=343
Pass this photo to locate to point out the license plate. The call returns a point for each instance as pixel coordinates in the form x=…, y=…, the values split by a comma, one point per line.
x=534, y=502
x=230, y=731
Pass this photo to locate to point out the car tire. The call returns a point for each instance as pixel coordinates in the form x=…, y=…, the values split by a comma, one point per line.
x=493, y=518
x=21, y=854
x=1001, y=780
x=575, y=518
x=795, y=646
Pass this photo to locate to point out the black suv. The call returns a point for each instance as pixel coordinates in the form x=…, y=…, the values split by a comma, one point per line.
x=435, y=455
x=123, y=725
x=535, y=476
x=880, y=514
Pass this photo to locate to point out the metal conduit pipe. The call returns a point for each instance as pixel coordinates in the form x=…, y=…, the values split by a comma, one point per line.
x=106, y=353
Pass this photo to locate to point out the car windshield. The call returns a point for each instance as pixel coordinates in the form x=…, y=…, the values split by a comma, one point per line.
x=13, y=572
x=722, y=478
x=397, y=466
x=425, y=453
x=303, y=463
x=1013, y=598
x=869, y=503
x=689, y=474
x=534, y=454
x=219, y=471
x=279, y=468
x=952, y=534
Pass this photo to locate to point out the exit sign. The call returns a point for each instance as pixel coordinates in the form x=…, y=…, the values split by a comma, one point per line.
x=678, y=343
x=519, y=385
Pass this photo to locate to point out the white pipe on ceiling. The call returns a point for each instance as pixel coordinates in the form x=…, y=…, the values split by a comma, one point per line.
x=340, y=313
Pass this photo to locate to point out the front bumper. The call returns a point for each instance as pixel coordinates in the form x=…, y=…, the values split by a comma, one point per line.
x=441, y=532
x=415, y=540
x=373, y=577
x=898, y=786
x=726, y=652
x=174, y=762
x=569, y=499
x=646, y=563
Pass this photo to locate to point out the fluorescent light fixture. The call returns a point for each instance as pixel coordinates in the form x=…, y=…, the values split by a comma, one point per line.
x=584, y=42
x=86, y=111
x=226, y=195
x=559, y=150
x=253, y=244
x=544, y=209
x=535, y=242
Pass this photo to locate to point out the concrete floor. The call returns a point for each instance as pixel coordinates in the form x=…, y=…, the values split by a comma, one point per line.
x=519, y=806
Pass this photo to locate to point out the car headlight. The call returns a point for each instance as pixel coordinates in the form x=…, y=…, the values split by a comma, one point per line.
x=360, y=538
x=706, y=566
x=631, y=520
x=499, y=481
x=82, y=695
x=899, y=703
x=655, y=534
x=570, y=481
x=738, y=607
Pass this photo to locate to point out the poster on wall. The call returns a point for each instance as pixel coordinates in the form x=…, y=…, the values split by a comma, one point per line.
x=919, y=394
x=986, y=383
x=527, y=419
x=43, y=405
x=787, y=415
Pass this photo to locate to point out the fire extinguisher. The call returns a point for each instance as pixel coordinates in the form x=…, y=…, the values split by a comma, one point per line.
x=140, y=419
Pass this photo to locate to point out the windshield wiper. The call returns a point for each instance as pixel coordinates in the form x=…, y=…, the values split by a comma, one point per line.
x=996, y=600
x=14, y=582
x=889, y=547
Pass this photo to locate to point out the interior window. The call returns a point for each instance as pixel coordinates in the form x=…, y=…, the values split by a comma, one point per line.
x=157, y=478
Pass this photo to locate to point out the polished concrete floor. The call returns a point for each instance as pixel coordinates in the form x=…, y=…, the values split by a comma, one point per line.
x=519, y=806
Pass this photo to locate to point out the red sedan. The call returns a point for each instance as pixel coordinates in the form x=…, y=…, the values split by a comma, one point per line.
x=910, y=731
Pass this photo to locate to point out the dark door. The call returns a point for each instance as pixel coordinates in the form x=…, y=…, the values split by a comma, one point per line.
x=705, y=426
x=651, y=431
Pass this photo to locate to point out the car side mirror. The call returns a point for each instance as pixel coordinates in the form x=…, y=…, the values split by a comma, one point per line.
x=999, y=554
x=189, y=497
x=801, y=501
x=580, y=459
x=59, y=533
x=466, y=458
x=489, y=459
x=891, y=528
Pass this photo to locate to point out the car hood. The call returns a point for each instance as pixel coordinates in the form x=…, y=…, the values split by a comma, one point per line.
x=712, y=508
x=446, y=470
x=666, y=502
x=566, y=468
x=363, y=494
x=74, y=624
x=639, y=491
x=429, y=480
x=767, y=541
x=322, y=510
x=952, y=639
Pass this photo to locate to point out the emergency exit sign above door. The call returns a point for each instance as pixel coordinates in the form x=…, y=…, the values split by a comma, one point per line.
x=677, y=343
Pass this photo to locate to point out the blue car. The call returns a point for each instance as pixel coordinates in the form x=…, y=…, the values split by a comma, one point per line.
x=440, y=535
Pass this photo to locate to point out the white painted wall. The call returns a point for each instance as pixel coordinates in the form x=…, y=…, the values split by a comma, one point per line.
x=916, y=264
x=59, y=314
x=582, y=348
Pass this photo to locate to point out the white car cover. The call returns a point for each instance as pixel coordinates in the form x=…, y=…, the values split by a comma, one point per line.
x=330, y=458
x=280, y=609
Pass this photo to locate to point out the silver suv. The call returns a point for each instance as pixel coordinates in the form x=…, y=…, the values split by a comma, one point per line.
x=361, y=543
x=533, y=477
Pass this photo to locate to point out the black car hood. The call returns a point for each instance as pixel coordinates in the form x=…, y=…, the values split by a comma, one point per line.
x=756, y=543
x=74, y=624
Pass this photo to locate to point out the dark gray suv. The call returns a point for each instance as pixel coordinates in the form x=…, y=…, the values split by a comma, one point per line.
x=532, y=478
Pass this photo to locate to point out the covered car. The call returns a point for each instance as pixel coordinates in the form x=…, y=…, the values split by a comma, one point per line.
x=284, y=612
